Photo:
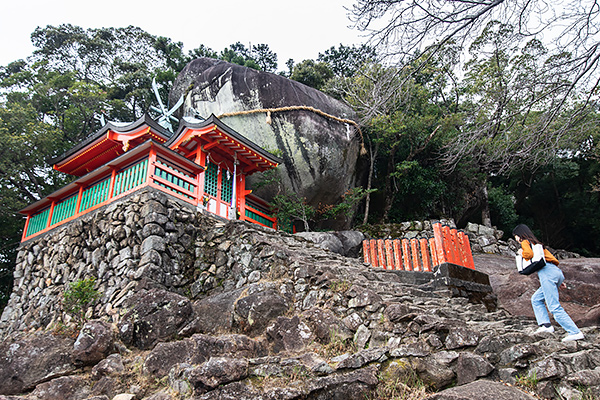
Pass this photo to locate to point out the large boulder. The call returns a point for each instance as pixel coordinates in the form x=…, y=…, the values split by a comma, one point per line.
x=319, y=153
x=153, y=316
x=36, y=359
x=579, y=299
x=94, y=343
x=481, y=390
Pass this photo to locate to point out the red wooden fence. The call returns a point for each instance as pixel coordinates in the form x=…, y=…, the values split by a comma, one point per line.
x=446, y=245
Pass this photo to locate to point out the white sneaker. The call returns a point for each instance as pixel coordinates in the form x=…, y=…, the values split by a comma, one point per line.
x=570, y=338
x=543, y=329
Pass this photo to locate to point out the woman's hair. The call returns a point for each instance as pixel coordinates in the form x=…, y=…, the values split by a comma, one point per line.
x=525, y=233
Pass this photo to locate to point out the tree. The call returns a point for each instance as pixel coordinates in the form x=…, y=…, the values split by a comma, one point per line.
x=404, y=113
x=403, y=28
x=311, y=73
x=345, y=61
x=79, y=297
x=501, y=130
x=237, y=53
x=265, y=58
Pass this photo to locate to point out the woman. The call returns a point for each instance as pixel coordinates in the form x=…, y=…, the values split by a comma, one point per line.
x=551, y=277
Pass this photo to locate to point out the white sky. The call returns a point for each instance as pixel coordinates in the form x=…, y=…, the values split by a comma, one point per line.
x=298, y=29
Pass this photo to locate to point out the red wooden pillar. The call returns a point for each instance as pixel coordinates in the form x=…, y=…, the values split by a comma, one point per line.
x=406, y=255
x=51, y=212
x=468, y=253
x=388, y=254
x=460, y=243
x=200, y=159
x=439, y=243
x=455, y=249
x=373, y=250
x=365, y=246
x=448, y=244
x=113, y=175
x=415, y=254
x=433, y=252
x=79, y=196
x=381, y=253
x=424, y=255
x=397, y=254
x=24, y=235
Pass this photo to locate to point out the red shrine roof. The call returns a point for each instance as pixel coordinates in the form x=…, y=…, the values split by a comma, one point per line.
x=113, y=140
x=107, y=144
x=223, y=144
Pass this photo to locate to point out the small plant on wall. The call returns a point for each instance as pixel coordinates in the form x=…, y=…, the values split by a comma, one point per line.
x=78, y=297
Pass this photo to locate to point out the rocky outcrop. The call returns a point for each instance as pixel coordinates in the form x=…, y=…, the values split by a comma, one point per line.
x=288, y=320
x=320, y=154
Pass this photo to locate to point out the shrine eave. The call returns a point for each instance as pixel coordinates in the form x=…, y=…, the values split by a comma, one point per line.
x=105, y=171
x=146, y=120
x=235, y=136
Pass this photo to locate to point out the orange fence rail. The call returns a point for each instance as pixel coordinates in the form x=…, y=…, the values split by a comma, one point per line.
x=448, y=245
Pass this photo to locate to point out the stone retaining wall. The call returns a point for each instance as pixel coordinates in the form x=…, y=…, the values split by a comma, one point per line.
x=147, y=236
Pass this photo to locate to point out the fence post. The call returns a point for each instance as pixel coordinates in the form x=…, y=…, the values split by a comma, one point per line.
x=460, y=238
x=365, y=246
x=373, y=249
x=397, y=255
x=381, y=254
x=455, y=248
x=389, y=256
x=439, y=243
x=433, y=252
x=448, y=244
x=424, y=255
x=415, y=255
x=406, y=255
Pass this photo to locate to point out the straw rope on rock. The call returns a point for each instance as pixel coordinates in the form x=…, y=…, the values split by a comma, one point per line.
x=268, y=111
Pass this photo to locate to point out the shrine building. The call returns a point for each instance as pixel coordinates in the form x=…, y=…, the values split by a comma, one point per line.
x=205, y=163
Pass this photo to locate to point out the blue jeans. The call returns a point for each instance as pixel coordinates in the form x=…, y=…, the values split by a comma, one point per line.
x=547, y=295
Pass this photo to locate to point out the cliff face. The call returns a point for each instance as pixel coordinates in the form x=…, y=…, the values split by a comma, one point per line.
x=199, y=308
x=320, y=154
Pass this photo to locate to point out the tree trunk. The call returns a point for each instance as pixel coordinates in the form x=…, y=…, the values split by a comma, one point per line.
x=389, y=190
x=370, y=181
x=486, y=220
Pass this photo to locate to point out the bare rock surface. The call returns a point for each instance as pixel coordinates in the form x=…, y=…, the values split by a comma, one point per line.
x=581, y=298
x=286, y=319
x=319, y=154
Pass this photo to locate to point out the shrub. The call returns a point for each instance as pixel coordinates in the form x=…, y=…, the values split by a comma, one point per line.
x=79, y=296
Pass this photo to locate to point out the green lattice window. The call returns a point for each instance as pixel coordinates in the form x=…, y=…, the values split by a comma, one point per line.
x=210, y=179
x=38, y=222
x=258, y=218
x=96, y=194
x=130, y=177
x=63, y=210
x=226, y=187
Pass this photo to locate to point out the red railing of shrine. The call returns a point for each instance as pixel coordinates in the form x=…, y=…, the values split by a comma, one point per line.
x=147, y=165
x=447, y=245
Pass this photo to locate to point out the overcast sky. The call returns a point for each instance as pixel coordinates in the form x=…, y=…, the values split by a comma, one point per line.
x=298, y=29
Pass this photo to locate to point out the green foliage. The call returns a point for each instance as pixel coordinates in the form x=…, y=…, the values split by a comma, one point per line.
x=259, y=57
x=339, y=286
x=345, y=207
x=289, y=207
x=311, y=73
x=79, y=296
x=502, y=209
x=345, y=61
